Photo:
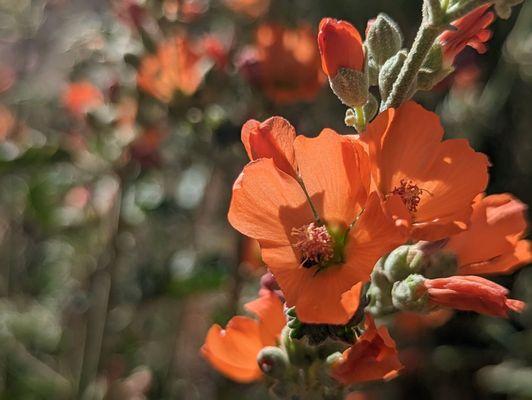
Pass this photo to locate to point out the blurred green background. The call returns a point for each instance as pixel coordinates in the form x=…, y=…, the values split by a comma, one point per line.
x=115, y=251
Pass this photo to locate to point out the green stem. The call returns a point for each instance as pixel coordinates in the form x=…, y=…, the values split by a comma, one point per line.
x=360, y=119
x=425, y=38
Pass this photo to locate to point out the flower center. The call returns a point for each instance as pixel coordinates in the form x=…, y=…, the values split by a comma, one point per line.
x=314, y=243
x=410, y=194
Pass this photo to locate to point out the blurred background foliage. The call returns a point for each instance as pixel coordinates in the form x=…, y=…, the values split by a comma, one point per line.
x=119, y=142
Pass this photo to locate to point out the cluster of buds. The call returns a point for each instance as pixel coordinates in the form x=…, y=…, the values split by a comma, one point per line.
x=354, y=65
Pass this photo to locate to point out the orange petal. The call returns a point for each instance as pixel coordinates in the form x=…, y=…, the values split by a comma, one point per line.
x=372, y=357
x=269, y=308
x=504, y=264
x=330, y=296
x=372, y=236
x=335, y=171
x=267, y=203
x=497, y=223
x=456, y=177
x=273, y=138
x=233, y=351
x=340, y=46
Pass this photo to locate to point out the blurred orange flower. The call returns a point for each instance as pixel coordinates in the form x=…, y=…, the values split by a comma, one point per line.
x=373, y=357
x=470, y=30
x=7, y=122
x=436, y=180
x=178, y=65
x=494, y=241
x=251, y=8
x=81, y=97
x=184, y=10
x=298, y=77
x=314, y=237
x=471, y=293
x=145, y=147
x=340, y=46
x=233, y=351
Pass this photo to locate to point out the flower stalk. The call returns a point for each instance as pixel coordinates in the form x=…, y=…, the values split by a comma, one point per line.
x=436, y=19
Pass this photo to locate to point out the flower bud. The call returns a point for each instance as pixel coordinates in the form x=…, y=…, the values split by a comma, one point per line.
x=433, y=69
x=272, y=361
x=383, y=39
x=340, y=46
x=350, y=86
x=389, y=73
x=410, y=294
x=343, y=61
x=402, y=262
x=471, y=293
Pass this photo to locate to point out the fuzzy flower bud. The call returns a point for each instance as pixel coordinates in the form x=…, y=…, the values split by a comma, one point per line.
x=471, y=293
x=343, y=61
x=389, y=72
x=272, y=361
x=409, y=295
x=402, y=262
x=383, y=39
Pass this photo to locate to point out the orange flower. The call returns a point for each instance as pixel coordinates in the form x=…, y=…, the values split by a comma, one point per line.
x=314, y=237
x=250, y=8
x=178, y=65
x=297, y=77
x=81, y=97
x=340, y=46
x=470, y=30
x=493, y=243
x=436, y=180
x=373, y=357
x=233, y=351
x=471, y=293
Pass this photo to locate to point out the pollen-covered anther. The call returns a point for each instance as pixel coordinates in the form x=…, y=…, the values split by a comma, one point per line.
x=410, y=193
x=314, y=244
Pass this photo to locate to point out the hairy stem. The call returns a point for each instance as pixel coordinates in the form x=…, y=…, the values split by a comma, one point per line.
x=425, y=38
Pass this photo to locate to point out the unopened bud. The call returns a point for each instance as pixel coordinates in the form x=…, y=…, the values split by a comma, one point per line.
x=402, y=262
x=350, y=86
x=433, y=70
x=373, y=72
x=410, y=294
x=383, y=39
x=389, y=73
x=272, y=361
